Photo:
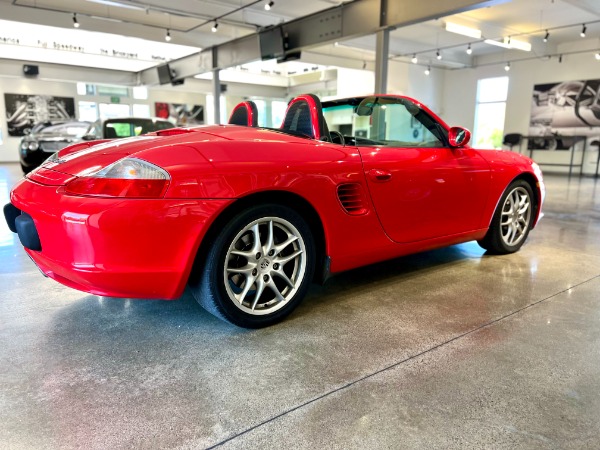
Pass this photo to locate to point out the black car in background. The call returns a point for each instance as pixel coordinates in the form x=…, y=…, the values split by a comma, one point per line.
x=46, y=138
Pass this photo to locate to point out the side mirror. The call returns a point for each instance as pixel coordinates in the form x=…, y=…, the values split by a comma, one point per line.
x=459, y=136
x=89, y=137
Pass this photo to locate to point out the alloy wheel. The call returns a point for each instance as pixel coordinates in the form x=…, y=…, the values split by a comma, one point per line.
x=516, y=216
x=265, y=265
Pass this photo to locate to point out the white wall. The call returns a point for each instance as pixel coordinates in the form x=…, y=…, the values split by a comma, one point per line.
x=410, y=80
x=460, y=89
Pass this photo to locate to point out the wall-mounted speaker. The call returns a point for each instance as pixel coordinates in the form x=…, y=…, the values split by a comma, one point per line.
x=30, y=70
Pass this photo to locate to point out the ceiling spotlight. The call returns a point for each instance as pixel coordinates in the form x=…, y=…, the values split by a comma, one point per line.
x=414, y=59
x=269, y=5
x=559, y=59
x=75, y=23
x=438, y=55
x=507, y=66
x=469, y=49
x=597, y=56
x=168, y=35
x=546, y=36
x=583, y=30
x=428, y=70
x=508, y=40
x=214, y=27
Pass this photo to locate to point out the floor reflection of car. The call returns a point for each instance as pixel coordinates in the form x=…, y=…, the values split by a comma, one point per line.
x=125, y=127
x=46, y=138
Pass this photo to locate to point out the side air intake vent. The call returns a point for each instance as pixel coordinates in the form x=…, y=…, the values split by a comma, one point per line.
x=352, y=198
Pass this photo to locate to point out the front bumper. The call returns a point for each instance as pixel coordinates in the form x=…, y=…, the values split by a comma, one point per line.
x=112, y=247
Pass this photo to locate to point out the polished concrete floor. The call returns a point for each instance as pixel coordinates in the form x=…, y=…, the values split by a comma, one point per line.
x=445, y=349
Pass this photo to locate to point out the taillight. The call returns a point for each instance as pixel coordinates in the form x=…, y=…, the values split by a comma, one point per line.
x=128, y=177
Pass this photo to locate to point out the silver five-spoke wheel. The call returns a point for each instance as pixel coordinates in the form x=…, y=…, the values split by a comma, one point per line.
x=258, y=267
x=516, y=216
x=264, y=265
x=512, y=220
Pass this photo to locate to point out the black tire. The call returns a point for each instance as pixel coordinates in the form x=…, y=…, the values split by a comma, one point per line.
x=496, y=240
x=231, y=264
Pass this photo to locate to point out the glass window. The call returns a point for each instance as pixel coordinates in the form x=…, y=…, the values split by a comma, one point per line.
x=113, y=110
x=86, y=89
x=278, y=109
x=140, y=92
x=210, y=110
x=490, y=112
x=75, y=129
x=88, y=111
x=383, y=121
x=141, y=110
x=261, y=106
x=134, y=127
x=112, y=91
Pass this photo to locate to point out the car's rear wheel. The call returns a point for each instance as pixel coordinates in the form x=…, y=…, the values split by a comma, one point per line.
x=259, y=267
x=512, y=220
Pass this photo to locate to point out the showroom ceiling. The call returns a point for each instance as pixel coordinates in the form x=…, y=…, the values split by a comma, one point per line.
x=190, y=22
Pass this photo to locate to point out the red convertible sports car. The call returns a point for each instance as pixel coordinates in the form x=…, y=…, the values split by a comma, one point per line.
x=249, y=216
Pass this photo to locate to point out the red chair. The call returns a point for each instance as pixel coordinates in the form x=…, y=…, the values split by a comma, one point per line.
x=304, y=115
x=245, y=114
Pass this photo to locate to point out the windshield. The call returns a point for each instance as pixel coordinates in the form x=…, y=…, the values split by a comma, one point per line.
x=71, y=129
x=134, y=127
x=383, y=121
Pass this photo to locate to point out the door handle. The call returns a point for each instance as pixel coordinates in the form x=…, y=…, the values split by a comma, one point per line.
x=379, y=175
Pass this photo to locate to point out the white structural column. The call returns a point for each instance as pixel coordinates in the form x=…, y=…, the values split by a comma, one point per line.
x=216, y=86
x=381, y=61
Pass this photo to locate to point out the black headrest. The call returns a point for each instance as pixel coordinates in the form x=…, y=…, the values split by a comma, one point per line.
x=305, y=115
x=245, y=113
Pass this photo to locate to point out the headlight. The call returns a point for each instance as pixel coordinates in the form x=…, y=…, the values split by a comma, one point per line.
x=33, y=145
x=24, y=145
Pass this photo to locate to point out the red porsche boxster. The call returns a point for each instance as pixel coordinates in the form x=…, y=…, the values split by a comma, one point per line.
x=249, y=216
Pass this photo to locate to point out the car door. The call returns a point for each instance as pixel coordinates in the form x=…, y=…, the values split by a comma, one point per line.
x=420, y=186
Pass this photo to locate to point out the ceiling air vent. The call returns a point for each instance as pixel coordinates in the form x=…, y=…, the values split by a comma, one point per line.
x=352, y=198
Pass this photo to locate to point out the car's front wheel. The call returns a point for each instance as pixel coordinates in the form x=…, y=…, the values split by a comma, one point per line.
x=512, y=220
x=259, y=267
